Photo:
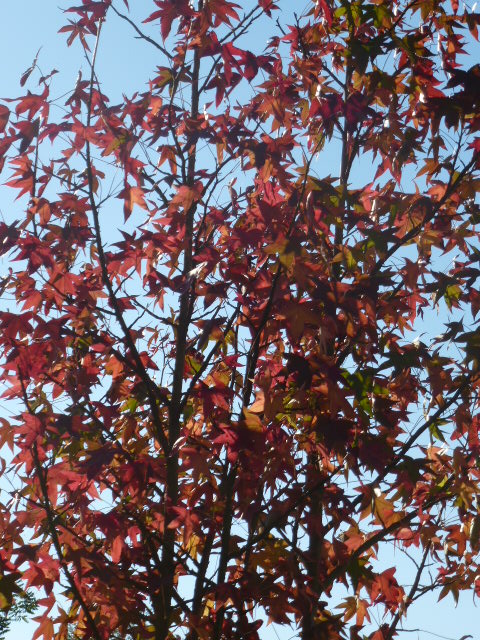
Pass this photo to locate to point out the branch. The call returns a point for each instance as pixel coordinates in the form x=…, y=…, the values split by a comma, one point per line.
x=52, y=527
x=210, y=355
x=402, y=610
x=381, y=535
x=452, y=185
x=175, y=408
x=141, y=371
x=243, y=26
x=141, y=35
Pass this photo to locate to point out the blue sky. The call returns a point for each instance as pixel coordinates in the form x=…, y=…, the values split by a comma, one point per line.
x=27, y=25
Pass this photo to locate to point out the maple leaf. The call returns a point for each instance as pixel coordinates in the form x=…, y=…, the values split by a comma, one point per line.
x=4, y=116
x=132, y=196
x=168, y=11
x=33, y=103
x=27, y=131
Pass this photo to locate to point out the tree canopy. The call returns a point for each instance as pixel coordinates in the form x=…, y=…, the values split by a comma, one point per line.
x=238, y=322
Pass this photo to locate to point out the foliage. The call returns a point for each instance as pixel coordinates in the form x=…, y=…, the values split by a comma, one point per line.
x=224, y=418
x=21, y=610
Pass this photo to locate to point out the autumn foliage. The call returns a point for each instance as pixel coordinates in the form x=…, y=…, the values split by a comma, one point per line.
x=238, y=322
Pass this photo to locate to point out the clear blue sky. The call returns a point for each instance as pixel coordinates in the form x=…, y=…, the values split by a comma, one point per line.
x=26, y=25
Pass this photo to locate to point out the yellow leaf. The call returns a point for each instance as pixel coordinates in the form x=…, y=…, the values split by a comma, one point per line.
x=252, y=421
x=259, y=404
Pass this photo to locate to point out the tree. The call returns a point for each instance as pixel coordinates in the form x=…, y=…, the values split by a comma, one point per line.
x=20, y=611
x=207, y=322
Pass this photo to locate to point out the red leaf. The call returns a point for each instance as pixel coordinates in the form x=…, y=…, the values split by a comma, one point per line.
x=4, y=116
x=168, y=11
x=132, y=196
x=117, y=548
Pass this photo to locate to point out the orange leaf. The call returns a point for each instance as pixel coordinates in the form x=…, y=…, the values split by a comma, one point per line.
x=132, y=196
